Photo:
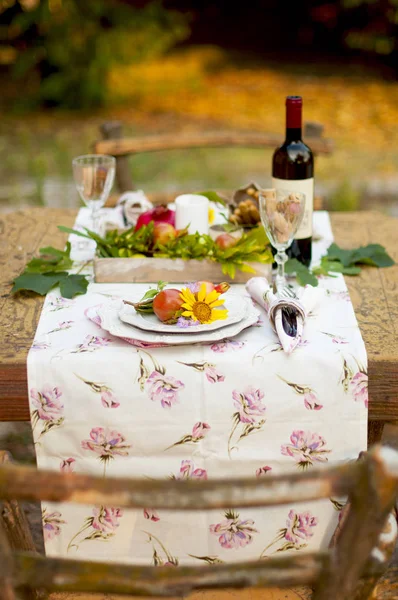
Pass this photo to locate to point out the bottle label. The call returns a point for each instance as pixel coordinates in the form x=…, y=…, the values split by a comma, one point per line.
x=305, y=186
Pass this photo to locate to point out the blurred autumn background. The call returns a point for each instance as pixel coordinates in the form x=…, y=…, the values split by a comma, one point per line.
x=66, y=66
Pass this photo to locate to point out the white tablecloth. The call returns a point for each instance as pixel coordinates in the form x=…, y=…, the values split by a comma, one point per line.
x=239, y=407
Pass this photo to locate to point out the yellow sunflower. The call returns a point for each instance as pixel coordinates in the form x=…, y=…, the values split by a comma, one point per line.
x=202, y=309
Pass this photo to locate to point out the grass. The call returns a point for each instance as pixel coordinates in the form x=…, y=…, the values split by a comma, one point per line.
x=205, y=88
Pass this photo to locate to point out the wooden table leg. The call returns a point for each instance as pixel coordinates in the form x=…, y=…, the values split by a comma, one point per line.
x=15, y=527
x=375, y=432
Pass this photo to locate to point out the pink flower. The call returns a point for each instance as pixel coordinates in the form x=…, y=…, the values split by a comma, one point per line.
x=67, y=465
x=227, y=345
x=106, y=519
x=91, y=343
x=51, y=524
x=47, y=402
x=260, y=472
x=108, y=400
x=306, y=448
x=249, y=404
x=233, y=532
x=189, y=471
x=199, y=431
x=299, y=525
x=151, y=514
x=107, y=443
x=311, y=401
x=212, y=374
x=359, y=388
x=164, y=388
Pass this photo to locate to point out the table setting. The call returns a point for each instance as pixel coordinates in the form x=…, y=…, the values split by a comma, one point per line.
x=197, y=379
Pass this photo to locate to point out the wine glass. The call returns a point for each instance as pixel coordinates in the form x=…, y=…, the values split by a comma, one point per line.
x=281, y=214
x=94, y=175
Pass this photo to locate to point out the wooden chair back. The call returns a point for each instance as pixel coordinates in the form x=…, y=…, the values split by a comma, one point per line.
x=115, y=144
x=370, y=484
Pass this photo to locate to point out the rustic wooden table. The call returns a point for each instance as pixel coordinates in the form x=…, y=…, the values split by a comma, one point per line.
x=374, y=295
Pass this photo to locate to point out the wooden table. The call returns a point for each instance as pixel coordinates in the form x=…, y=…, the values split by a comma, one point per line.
x=374, y=294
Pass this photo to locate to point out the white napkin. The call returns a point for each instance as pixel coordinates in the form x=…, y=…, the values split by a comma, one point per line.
x=307, y=298
x=133, y=204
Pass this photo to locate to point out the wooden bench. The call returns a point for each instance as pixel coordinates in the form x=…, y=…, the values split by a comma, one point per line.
x=371, y=485
x=120, y=147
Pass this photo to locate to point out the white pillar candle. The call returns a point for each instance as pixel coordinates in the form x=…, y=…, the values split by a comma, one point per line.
x=192, y=211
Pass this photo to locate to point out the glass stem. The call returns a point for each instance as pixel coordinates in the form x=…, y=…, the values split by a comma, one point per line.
x=95, y=218
x=280, y=259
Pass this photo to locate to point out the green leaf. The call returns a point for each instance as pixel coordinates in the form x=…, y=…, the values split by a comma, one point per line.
x=303, y=275
x=73, y=285
x=70, y=230
x=372, y=254
x=50, y=250
x=41, y=283
x=212, y=197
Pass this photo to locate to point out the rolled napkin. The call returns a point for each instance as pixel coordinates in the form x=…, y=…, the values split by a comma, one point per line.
x=280, y=309
x=133, y=204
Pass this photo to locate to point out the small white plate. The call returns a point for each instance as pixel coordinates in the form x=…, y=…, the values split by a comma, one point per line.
x=150, y=322
x=109, y=316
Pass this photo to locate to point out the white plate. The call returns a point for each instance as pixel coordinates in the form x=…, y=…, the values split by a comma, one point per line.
x=150, y=322
x=109, y=315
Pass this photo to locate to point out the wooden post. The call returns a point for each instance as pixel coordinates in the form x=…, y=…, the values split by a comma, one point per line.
x=6, y=567
x=15, y=527
x=371, y=501
x=124, y=180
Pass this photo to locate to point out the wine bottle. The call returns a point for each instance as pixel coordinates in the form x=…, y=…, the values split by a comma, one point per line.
x=293, y=170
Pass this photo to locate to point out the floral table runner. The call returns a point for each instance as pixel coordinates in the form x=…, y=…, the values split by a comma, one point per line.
x=238, y=407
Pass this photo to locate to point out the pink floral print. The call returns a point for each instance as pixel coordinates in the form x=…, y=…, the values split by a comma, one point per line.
x=102, y=525
x=108, y=400
x=299, y=526
x=261, y=471
x=233, y=533
x=299, y=529
x=151, y=515
x=250, y=412
x=310, y=398
x=199, y=432
x=107, y=443
x=226, y=345
x=359, y=388
x=306, y=448
x=208, y=369
x=40, y=345
x=48, y=408
x=161, y=557
x=188, y=470
x=67, y=465
x=61, y=326
x=336, y=339
x=164, y=388
x=51, y=524
x=106, y=520
x=55, y=303
x=91, y=343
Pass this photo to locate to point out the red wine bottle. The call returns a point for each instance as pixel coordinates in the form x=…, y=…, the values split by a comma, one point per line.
x=293, y=170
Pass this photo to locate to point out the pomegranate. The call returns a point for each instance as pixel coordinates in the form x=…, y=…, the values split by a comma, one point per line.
x=163, y=232
x=167, y=305
x=225, y=240
x=158, y=214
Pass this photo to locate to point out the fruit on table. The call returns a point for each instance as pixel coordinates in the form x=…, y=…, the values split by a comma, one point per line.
x=167, y=305
x=226, y=240
x=246, y=213
x=158, y=214
x=163, y=232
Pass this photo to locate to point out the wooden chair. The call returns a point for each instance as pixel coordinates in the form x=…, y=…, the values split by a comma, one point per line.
x=371, y=485
x=115, y=144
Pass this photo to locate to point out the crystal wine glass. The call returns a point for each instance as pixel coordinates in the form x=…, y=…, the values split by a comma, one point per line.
x=94, y=175
x=281, y=214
